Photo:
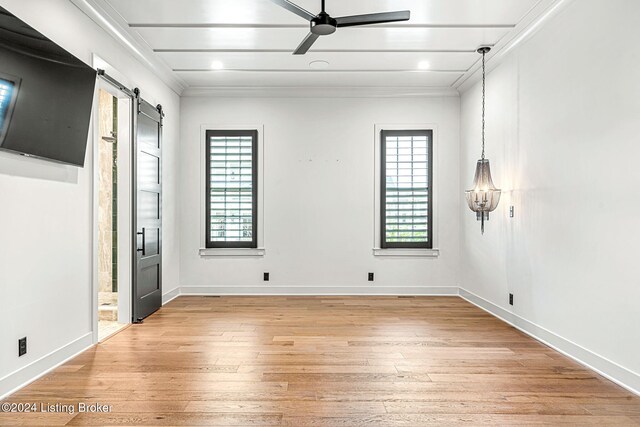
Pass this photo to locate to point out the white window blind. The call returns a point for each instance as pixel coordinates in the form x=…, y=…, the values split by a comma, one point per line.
x=232, y=189
x=406, y=208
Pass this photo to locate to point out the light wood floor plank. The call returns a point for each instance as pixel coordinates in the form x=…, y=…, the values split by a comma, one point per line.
x=326, y=361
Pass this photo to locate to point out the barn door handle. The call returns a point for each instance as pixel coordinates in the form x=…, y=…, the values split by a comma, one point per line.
x=143, y=243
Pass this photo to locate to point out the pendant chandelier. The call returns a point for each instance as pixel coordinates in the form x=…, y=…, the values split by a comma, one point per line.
x=484, y=196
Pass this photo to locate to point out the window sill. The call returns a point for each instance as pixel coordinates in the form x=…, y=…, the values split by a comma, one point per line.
x=425, y=253
x=232, y=252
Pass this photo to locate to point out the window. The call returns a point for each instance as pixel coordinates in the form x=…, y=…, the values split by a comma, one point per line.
x=406, y=190
x=232, y=188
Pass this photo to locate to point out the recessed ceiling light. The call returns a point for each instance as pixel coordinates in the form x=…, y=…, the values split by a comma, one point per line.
x=217, y=65
x=319, y=65
x=424, y=65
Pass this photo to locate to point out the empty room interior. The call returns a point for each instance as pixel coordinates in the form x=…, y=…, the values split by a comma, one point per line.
x=319, y=212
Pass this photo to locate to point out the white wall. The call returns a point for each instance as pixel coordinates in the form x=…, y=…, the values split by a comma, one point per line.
x=561, y=138
x=46, y=214
x=562, y=123
x=318, y=196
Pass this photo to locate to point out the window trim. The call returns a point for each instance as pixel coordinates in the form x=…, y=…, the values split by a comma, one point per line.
x=253, y=133
x=383, y=133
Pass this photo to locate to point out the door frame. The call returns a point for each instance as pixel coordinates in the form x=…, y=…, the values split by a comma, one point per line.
x=125, y=202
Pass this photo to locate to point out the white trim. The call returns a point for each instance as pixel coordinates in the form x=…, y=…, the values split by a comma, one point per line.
x=611, y=370
x=261, y=176
x=428, y=253
x=95, y=148
x=267, y=290
x=98, y=63
x=103, y=14
x=125, y=285
x=232, y=252
x=377, y=236
x=125, y=211
x=167, y=297
x=319, y=92
x=36, y=369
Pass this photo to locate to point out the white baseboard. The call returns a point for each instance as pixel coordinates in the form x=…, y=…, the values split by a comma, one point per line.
x=36, y=369
x=171, y=295
x=612, y=371
x=319, y=290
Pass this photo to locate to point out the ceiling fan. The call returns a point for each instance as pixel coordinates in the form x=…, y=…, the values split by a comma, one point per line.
x=322, y=24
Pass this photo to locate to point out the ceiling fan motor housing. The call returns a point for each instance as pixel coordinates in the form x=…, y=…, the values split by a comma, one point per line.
x=323, y=25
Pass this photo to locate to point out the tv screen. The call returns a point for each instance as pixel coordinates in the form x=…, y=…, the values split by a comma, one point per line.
x=46, y=95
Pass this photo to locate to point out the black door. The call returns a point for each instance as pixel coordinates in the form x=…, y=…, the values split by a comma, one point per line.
x=147, y=278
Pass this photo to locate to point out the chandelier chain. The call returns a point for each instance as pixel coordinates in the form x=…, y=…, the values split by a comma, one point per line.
x=483, y=101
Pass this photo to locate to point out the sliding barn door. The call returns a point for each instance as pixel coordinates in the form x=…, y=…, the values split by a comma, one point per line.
x=147, y=280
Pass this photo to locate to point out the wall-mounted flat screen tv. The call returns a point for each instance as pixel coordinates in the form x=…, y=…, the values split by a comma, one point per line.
x=46, y=95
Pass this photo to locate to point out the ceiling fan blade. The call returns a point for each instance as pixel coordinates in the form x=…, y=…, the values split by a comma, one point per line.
x=295, y=9
x=373, y=18
x=306, y=44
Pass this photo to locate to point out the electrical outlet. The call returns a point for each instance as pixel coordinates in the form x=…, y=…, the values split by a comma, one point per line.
x=512, y=212
x=266, y=277
x=371, y=277
x=510, y=299
x=22, y=346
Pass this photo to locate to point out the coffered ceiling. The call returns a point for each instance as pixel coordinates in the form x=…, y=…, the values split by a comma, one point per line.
x=249, y=43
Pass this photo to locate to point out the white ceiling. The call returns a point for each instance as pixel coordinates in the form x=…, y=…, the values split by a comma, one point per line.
x=253, y=41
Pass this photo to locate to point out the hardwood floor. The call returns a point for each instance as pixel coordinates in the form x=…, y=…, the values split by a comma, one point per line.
x=326, y=361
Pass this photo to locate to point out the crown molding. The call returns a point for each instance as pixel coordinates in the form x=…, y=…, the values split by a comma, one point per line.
x=531, y=23
x=100, y=12
x=320, y=92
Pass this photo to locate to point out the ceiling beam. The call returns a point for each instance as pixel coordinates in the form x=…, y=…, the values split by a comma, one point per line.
x=313, y=50
x=288, y=70
x=277, y=26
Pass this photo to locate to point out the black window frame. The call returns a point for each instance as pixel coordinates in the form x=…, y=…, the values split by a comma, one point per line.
x=383, y=189
x=253, y=244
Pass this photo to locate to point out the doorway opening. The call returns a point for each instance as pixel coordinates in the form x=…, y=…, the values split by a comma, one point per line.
x=112, y=205
x=108, y=216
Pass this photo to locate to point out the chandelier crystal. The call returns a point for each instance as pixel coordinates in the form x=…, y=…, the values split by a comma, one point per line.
x=484, y=196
